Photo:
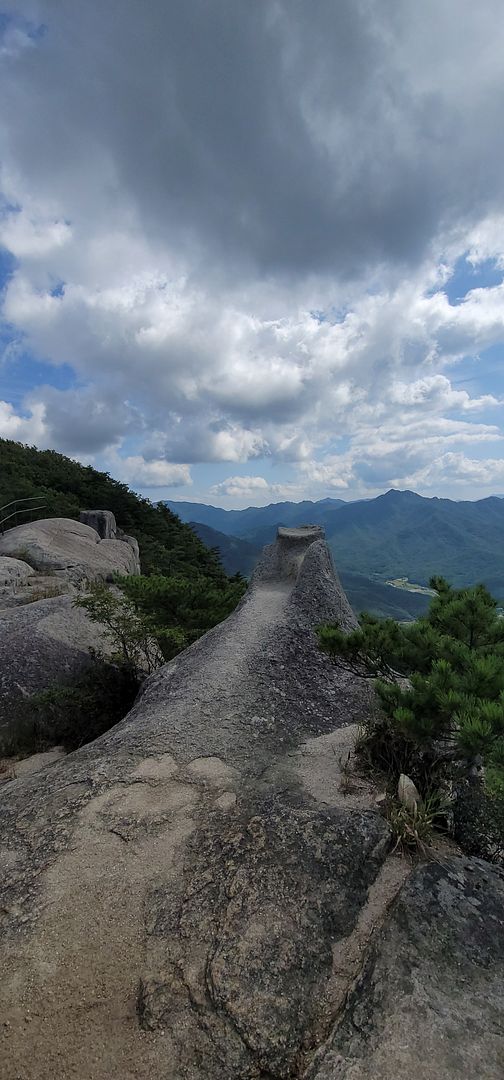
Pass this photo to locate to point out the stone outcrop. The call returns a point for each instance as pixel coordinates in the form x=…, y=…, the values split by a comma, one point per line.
x=41, y=645
x=430, y=999
x=69, y=549
x=13, y=571
x=21, y=584
x=16, y=577
x=179, y=898
x=102, y=521
x=44, y=639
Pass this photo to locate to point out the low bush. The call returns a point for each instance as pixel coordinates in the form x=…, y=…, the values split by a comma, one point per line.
x=71, y=714
x=440, y=688
x=413, y=830
x=151, y=619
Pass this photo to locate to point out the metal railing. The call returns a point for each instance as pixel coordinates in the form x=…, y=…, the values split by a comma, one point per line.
x=15, y=512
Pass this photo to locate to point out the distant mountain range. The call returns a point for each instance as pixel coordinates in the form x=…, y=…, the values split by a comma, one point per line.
x=397, y=535
x=238, y=556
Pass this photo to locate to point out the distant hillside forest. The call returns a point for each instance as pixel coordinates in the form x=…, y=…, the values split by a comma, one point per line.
x=167, y=545
x=398, y=535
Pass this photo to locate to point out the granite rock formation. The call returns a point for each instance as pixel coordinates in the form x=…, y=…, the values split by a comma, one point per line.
x=179, y=902
x=44, y=639
x=69, y=549
x=43, y=644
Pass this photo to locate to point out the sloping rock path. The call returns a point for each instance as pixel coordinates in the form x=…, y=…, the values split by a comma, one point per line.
x=180, y=899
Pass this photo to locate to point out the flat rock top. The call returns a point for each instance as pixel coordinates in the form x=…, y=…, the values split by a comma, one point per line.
x=301, y=532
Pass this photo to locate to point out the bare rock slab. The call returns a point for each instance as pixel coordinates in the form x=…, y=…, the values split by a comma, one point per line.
x=43, y=644
x=430, y=1000
x=152, y=929
x=70, y=549
x=13, y=571
x=251, y=938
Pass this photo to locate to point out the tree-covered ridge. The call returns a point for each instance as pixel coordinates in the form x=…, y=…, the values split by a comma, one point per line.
x=167, y=545
x=396, y=535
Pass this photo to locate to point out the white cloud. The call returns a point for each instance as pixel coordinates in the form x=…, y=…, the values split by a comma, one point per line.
x=139, y=473
x=27, y=429
x=25, y=237
x=436, y=392
x=278, y=296
x=240, y=487
x=454, y=468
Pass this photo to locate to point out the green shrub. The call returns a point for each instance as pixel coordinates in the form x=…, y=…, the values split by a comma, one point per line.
x=71, y=714
x=413, y=830
x=151, y=619
x=440, y=685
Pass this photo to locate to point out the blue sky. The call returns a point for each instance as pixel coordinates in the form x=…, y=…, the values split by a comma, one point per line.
x=249, y=254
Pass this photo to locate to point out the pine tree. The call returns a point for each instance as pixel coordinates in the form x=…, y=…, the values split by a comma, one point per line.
x=440, y=681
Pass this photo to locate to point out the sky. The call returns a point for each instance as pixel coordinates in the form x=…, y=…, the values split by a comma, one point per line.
x=253, y=251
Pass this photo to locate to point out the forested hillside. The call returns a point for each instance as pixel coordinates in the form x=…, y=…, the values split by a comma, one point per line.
x=256, y=523
x=237, y=556
x=398, y=534
x=167, y=545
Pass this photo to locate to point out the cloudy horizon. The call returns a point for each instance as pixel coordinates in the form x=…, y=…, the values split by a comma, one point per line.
x=254, y=252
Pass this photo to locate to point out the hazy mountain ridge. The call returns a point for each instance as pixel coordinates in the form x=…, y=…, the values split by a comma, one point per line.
x=246, y=523
x=397, y=534
x=237, y=555
x=364, y=594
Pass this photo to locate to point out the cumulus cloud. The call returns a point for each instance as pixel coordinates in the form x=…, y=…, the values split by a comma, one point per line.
x=240, y=487
x=137, y=472
x=437, y=392
x=237, y=225
x=29, y=429
x=457, y=469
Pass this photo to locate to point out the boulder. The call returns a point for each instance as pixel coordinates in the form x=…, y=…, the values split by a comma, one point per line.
x=42, y=644
x=408, y=794
x=102, y=521
x=19, y=584
x=14, y=577
x=13, y=571
x=69, y=549
x=133, y=543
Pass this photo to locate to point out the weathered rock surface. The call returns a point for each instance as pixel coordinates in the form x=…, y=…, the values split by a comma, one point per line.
x=176, y=902
x=21, y=584
x=13, y=571
x=102, y=521
x=41, y=644
x=15, y=580
x=35, y=762
x=430, y=1000
x=69, y=549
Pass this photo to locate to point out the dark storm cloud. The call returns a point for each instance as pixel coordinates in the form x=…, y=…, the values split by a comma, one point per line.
x=234, y=220
x=287, y=136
